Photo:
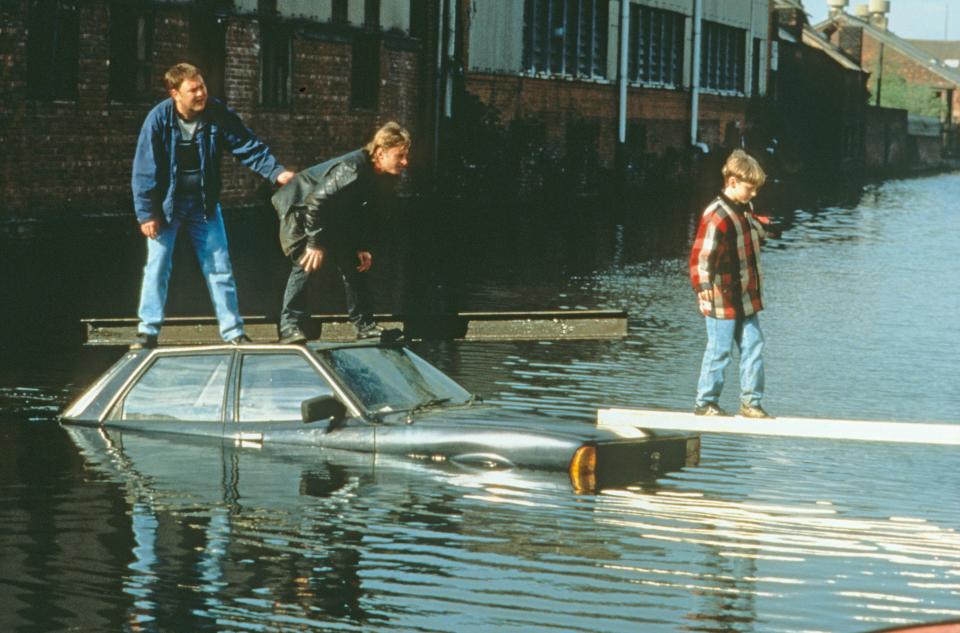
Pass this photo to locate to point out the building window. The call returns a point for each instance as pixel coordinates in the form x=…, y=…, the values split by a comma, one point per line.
x=52, y=49
x=207, y=50
x=371, y=15
x=131, y=53
x=276, y=52
x=339, y=14
x=656, y=46
x=722, y=57
x=365, y=73
x=565, y=37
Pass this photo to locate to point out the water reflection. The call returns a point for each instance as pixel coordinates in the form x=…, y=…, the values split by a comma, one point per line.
x=766, y=534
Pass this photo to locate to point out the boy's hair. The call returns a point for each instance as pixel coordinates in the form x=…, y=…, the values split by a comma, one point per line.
x=745, y=167
x=178, y=73
x=390, y=135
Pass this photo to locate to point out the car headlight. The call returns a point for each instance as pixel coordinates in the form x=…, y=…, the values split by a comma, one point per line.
x=583, y=469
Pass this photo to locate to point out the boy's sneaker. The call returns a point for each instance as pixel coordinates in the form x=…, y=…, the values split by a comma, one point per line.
x=292, y=336
x=369, y=330
x=144, y=341
x=711, y=408
x=753, y=411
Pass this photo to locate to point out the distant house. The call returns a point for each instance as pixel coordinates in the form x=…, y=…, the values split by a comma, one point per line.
x=946, y=52
x=903, y=74
x=819, y=99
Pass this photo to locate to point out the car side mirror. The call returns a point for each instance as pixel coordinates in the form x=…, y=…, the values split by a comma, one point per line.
x=323, y=408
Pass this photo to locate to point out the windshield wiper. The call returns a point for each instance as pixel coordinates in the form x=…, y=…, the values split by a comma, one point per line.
x=429, y=404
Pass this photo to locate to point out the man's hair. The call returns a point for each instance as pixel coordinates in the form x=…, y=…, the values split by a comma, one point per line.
x=390, y=135
x=178, y=73
x=745, y=167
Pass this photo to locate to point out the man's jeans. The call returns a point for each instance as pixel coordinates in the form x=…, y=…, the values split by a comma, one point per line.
x=721, y=335
x=294, y=310
x=210, y=243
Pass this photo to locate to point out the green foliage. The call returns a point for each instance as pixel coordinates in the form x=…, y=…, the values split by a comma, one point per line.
x=896, y=92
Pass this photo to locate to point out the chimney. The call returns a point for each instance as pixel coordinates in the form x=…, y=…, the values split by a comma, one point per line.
x=835, y=7
x=878, y=13
x=862, y=11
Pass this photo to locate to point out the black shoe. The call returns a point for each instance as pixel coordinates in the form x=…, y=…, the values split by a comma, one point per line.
x=144, y=341
x=368, y=330
x=242, y=339
x=711, y=408
x=753, y=411
x=292, y=336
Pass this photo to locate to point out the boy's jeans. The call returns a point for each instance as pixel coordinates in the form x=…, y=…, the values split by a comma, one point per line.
x=210, y=243
x=721, y=335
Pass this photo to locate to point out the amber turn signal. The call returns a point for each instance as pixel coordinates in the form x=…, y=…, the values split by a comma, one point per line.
x=583, y=469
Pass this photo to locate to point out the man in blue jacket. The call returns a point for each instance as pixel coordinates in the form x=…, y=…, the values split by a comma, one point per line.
x=176, y=183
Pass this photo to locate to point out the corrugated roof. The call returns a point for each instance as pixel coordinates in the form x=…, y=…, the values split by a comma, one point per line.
x=898, y=43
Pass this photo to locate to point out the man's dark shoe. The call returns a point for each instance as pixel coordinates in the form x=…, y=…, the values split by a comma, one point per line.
x=292, y=336
x=144, y=341
x=242, y=339
x=753, y=411
x=711, y=408
x=369, y=330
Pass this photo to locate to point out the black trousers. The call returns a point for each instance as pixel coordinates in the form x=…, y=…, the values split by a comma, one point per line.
x=295, y=309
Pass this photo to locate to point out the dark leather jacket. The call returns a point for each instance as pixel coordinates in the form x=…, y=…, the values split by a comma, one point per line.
x=327, y=204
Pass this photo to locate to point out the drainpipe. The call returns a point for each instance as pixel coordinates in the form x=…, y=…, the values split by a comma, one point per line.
x=695, y=73
x=622, y=73
x=438, y=109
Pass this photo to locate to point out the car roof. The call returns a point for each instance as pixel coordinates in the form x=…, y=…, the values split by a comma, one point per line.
x=312, y=346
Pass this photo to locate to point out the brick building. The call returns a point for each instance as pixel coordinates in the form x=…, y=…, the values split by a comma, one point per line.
x=819, y=99
x=902, y=76
x=311, y=78
x=543, y=84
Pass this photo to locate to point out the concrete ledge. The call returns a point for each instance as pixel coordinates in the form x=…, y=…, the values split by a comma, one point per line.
x=485, y=326
x=901, y=432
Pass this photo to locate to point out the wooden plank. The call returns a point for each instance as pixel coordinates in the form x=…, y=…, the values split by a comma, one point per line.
x=862, y=430
x=488, y=326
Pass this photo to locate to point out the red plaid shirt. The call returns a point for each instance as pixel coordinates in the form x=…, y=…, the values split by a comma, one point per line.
x=726, y=257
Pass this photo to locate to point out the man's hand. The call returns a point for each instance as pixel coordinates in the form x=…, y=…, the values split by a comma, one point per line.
x=312, y=259
x=150, y=228
x=284, y=177
x=366, y=261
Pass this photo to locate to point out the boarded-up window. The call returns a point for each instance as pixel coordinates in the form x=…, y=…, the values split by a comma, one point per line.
x=365, y=73
x=276, y=52
x=565, y=37
x=131, y=53
x=52, y=49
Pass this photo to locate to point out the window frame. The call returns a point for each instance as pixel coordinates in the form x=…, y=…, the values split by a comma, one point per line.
x=723, y=58
x=586, y=54
x=131, y=81
x=650, y=29
x=276, y=91
x=237, y=378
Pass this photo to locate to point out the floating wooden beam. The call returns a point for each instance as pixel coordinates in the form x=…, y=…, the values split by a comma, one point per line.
x=486, y=326
x=902, y=432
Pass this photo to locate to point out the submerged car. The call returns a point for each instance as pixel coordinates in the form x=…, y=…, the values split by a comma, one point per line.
x=367, y=397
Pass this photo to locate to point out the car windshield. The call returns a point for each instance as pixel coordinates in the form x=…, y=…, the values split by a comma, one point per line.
x=393, y=378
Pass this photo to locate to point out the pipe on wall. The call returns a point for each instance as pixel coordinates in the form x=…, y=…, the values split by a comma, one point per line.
x=622, y=73
x=695, y=73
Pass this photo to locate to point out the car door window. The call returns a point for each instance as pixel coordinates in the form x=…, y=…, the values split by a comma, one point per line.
x=272, y=386
x=185, y=388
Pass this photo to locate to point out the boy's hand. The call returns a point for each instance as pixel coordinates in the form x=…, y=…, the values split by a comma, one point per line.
x=706, y=295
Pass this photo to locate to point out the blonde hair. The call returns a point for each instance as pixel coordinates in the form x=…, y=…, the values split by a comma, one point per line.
x=745, y=167
x=178, y=73
x=390, y=135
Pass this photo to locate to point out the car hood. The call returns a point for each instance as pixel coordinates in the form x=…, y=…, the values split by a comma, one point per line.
x=496, y=418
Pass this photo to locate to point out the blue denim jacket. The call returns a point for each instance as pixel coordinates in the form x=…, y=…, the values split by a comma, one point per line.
x=155, y=163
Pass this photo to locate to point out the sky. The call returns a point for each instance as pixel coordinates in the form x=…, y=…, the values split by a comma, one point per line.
x=910, y=19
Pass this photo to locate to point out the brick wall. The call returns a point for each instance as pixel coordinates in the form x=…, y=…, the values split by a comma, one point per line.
x=75, y=156
x=660, y=118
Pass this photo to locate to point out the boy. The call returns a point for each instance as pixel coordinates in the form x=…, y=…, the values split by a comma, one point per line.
x=725, y=274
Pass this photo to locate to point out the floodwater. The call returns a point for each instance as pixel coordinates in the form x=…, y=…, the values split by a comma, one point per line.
x=105, y=533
